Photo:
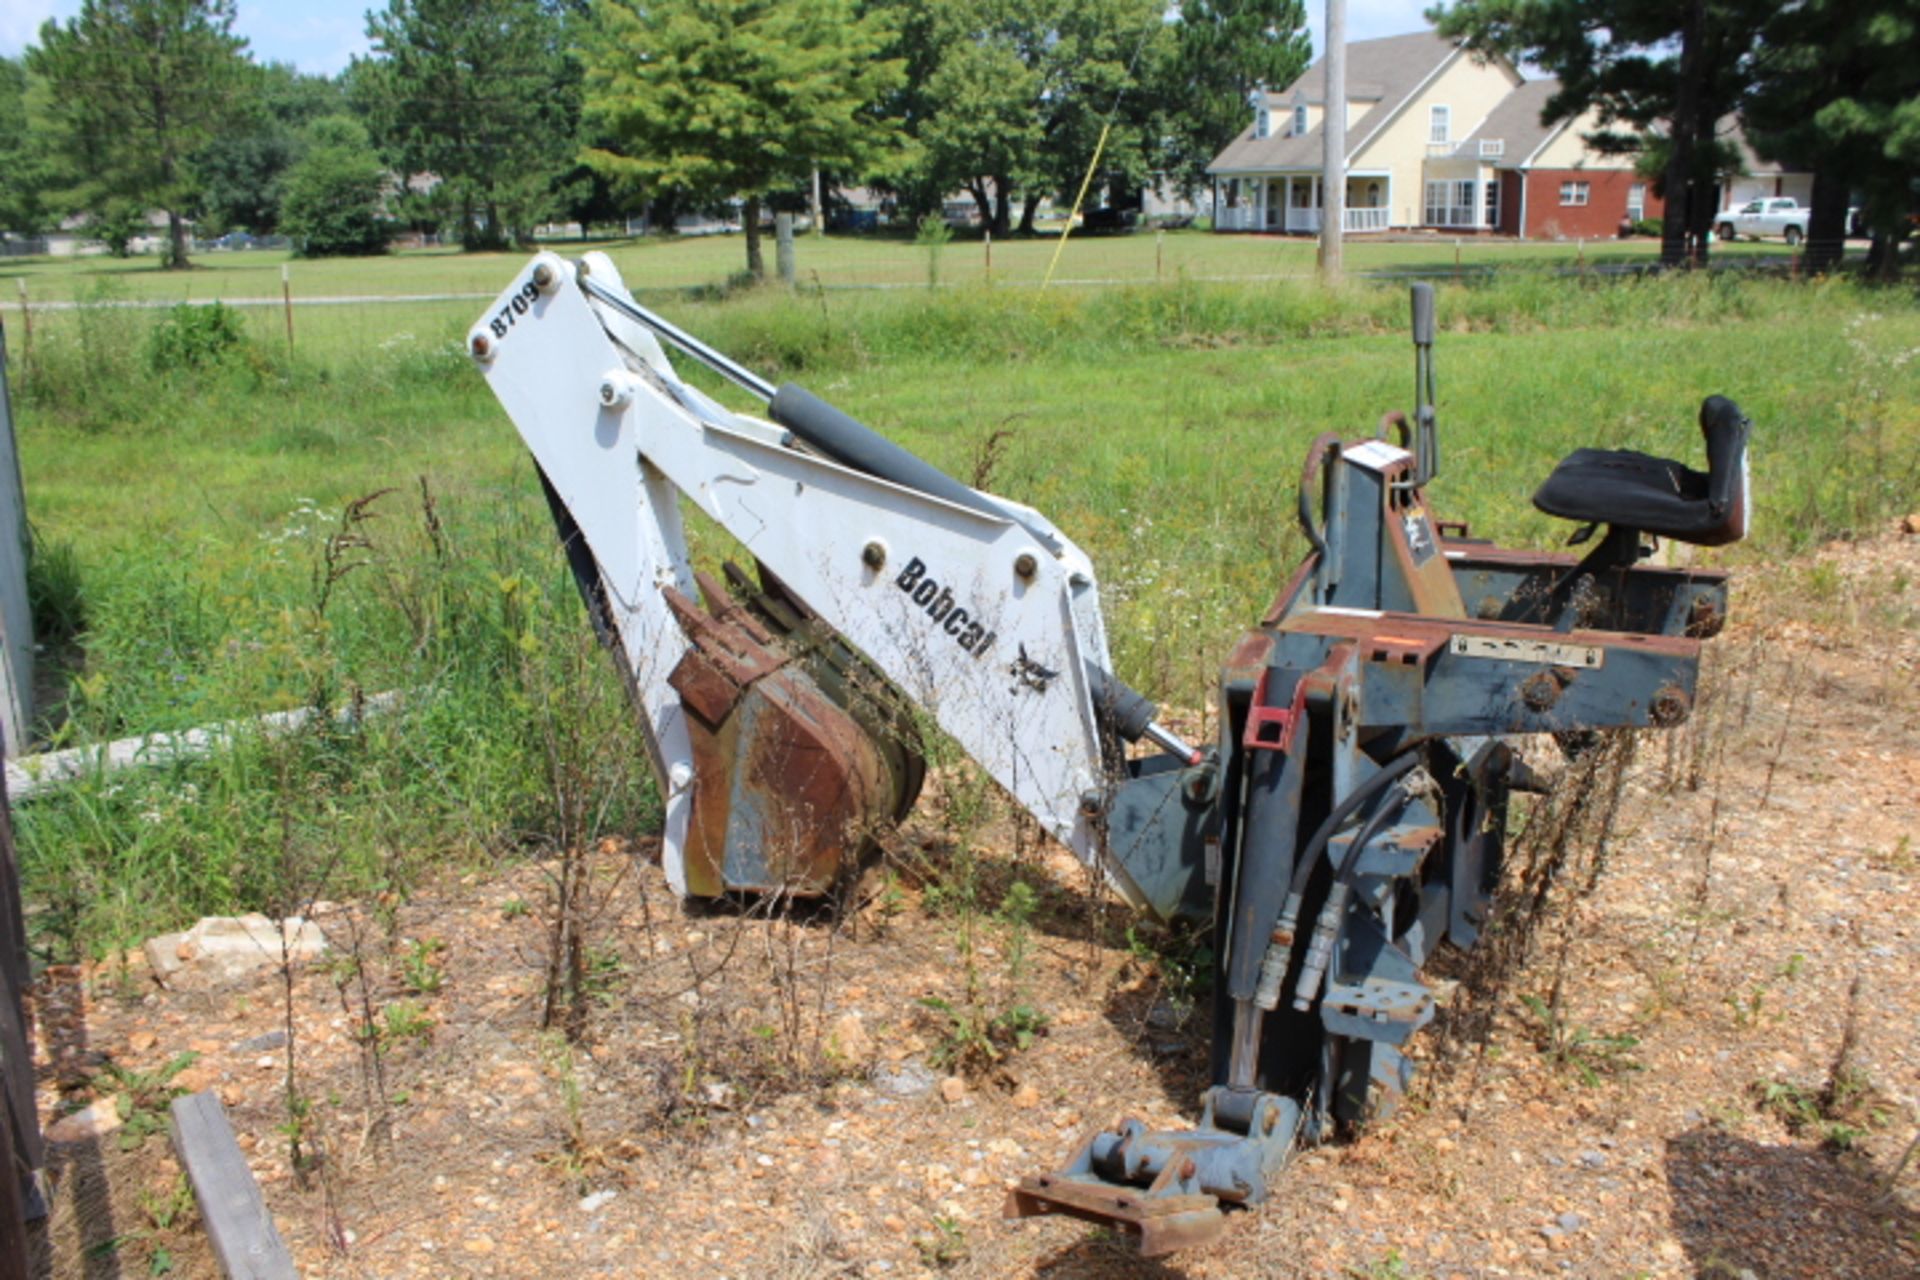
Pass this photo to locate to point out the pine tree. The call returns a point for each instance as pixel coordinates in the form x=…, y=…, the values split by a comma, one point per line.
x=1838, y=90
x=474, y=92
x=1676, y=67
x=134, y=88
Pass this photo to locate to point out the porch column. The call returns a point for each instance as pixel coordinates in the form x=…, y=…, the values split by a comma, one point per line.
x=1286, y=213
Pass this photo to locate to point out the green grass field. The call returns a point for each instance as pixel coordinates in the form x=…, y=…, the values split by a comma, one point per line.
x=195, y=563
x=666, y=263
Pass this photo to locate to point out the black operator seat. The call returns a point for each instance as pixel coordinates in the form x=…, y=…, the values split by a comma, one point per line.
x=1628, y=490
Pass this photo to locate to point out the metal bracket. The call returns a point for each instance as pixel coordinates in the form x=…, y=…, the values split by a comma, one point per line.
x=1273, y=728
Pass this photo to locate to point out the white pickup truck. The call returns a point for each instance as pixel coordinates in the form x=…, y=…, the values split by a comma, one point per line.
x=1775, y=216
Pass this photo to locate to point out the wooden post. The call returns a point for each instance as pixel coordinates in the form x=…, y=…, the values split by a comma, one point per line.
x=1456, y=255
x=26, y=317
x=286, y=302
x=783, y=247
x=235, y=1216
x=1159, y=253
x=819, y=213
x=1333, y=209
x=989, y=241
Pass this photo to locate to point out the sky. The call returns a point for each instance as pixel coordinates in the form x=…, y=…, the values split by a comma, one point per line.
x=319, y=36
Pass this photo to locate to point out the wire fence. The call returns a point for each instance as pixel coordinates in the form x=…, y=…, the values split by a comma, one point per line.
x=428, y=296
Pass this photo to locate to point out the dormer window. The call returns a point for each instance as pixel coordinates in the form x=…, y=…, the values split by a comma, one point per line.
x=1299, y=121
x=1261, y=122
x=1439, y=124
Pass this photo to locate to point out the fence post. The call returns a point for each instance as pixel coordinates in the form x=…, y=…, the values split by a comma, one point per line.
x=989, y=241
x=26, y=316
x=783, y=247
x=1159, y=253
x=16, y=613
x=1456, y=255
x=286, y=301
x=1580, y=253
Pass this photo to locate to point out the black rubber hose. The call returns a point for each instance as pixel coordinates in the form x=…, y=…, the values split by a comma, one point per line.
x=1393, y=771
x=849, y=441
x=1386, y=813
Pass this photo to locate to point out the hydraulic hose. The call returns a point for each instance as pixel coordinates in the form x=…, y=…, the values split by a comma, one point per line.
x=1326, y=929
x=1273, y=965
x=1395, y=769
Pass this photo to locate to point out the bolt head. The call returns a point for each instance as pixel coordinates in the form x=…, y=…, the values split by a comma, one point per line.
x=543, y=275
x=482, y=346
x=874, y=554
x=1026, y=565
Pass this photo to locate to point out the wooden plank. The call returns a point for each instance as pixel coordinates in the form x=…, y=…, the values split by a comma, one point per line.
x=244, y=1239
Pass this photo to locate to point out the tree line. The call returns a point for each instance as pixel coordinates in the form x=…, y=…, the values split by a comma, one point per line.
x=484, y=119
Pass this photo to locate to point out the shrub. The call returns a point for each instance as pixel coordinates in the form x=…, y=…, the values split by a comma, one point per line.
x=332, y=205
x=1648, y=227
x=193, y=335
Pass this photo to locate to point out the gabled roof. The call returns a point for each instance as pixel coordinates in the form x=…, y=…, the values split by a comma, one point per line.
x=1386, y=72
x=1516, y=123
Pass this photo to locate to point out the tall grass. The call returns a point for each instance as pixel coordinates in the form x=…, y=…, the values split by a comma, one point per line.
x=192, y=544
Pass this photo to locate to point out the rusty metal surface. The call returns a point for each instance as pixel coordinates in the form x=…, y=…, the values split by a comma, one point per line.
x=788, y=788
x=1162, y=1224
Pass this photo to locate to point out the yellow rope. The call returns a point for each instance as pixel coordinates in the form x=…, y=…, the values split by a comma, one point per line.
x=1085, y=182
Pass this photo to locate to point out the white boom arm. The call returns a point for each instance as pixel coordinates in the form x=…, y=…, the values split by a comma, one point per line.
x=993, y=633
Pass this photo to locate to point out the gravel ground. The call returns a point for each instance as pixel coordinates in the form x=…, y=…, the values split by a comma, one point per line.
x=760, y=1096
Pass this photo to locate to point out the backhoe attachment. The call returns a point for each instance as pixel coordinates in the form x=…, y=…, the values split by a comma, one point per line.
x=782, y=714
x=1348, y=822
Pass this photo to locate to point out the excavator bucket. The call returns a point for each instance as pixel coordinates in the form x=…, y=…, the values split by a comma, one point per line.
x=799, y=758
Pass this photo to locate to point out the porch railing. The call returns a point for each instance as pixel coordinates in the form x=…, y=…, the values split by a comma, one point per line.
x=1453, y=215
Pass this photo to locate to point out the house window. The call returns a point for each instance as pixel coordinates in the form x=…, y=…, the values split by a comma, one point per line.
x=1261, y=123
x=1574, y=193
x=1439, y=124
x=1299, y=121
x=1436, y=204
x=1637, y=201
x=1233, y=193
x=1492, y=190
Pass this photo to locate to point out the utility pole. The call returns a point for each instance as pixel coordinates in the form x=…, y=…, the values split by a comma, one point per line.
x=1333, y=179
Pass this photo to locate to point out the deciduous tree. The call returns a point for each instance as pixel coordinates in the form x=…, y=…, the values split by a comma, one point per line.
x=333, y=192
x=1221, y=51
x=726, y=99
x=241, y=173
